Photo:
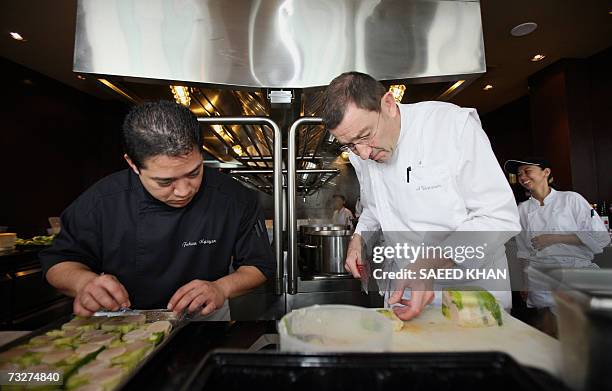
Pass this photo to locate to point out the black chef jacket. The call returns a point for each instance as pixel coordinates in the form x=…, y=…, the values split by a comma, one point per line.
x=118, y=228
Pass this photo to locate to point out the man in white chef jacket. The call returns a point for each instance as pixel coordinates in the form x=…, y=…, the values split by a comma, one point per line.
x=424, y=167
x=341, y=215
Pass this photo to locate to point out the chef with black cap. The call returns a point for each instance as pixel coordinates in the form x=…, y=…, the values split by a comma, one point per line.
x=559, y=228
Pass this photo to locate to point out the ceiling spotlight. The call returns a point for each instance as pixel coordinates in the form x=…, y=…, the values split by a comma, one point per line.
x=80, y=77
x=237, y=150
x=538, y=57
x=487, y=87
x=523, y=29
x=181, y=95
x=397, y=90
x=17, y=36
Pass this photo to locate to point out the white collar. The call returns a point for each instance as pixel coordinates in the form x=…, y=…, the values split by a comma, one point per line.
x=548, y=199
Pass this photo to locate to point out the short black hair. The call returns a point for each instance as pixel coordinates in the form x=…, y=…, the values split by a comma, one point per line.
x=350, y=87
x=340, y=196
x=160, y=128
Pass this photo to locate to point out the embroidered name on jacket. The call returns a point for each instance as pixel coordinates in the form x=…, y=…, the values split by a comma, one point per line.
x=200, y=242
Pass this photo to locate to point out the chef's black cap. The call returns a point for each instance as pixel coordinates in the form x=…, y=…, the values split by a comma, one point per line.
x=511, y=166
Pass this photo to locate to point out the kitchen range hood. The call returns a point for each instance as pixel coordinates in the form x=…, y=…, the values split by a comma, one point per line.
x=278, y=43
x=232, y=57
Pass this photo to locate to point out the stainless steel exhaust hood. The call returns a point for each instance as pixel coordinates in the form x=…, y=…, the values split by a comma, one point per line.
x=278, y=43
x=230, y=51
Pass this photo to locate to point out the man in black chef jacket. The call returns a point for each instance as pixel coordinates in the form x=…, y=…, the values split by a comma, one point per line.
x=161, y=233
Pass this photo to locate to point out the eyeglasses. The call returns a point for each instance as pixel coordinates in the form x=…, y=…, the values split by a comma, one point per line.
x=362, y=141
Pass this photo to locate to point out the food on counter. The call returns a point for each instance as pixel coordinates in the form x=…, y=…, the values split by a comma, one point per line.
x=389, y=314
x=102, y=340
x=161, y=326
x=36, y=241
x=93, y=353
x=475, y=307
x=57, y=357
x=87, y=348
x=123, y=324
x=110, y=353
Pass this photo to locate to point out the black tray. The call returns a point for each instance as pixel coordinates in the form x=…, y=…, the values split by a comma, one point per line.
x=234, y=370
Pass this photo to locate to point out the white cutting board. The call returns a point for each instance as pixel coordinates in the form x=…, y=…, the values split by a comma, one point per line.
x=431, y=332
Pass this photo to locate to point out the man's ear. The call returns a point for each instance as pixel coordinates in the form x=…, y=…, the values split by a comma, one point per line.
x=388, y=104
x=131, y=164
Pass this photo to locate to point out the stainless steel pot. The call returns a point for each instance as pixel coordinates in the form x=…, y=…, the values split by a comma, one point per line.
x=324, y=248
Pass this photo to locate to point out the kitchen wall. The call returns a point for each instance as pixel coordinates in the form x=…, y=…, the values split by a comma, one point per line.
x=509, y=130
x=571, y=110
x=600, y=88
x=55, y=141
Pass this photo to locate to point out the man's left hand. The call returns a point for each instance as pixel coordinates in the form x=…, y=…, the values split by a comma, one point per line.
x=197, y=295
x=421, y=295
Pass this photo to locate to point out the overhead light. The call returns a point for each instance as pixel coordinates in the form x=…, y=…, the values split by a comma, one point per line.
x=397, y=90
x=523, y=29
x=80, y=77
x=487, y=87
x=456, y=85
x=181, y=95
x=237, y=150
x=222, y=133
x=538, y=57
x=450, y=91
x=117, y=89
x=17, y=36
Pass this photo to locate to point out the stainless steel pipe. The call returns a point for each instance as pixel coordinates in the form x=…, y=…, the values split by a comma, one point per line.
x=304, y=171
x=292, y=266
x=278, y=184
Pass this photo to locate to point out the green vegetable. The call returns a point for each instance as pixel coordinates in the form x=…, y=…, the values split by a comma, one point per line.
x=457, y=299
x=131, y=358
x=487, y=300
x=445, y=311
x=472, y=297
x=36, y=241
x=55, y=333
x=156, y=338
x=29, y=359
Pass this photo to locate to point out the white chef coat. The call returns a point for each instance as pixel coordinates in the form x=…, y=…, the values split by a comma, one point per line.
x=454, y=184
x=358, y=207
x=563, y=212
x=343, y=217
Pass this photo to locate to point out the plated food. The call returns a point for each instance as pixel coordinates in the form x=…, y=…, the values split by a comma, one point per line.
x=92, y=353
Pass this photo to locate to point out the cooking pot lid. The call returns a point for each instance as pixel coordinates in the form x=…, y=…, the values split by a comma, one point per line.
x=324, y=227
x=344, y=232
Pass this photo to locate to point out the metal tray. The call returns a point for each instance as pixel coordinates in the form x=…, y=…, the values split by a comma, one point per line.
x=176, y=325
x=232, y=369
